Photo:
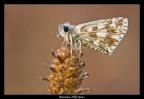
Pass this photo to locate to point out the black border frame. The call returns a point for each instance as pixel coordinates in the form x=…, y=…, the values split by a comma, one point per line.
x=68, y=2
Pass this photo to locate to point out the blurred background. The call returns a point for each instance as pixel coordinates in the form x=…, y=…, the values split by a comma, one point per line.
x=30, y=37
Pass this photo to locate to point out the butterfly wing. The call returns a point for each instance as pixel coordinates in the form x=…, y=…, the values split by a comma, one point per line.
x=103, y=35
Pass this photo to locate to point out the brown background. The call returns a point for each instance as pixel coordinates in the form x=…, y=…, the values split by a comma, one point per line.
x=29, y=39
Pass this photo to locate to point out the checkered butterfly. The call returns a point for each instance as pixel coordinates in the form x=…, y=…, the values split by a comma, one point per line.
x=101, y=35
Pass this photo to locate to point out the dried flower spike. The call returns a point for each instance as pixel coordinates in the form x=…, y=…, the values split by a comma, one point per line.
x=66, y=73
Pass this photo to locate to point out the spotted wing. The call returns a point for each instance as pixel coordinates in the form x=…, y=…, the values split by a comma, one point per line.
x=103, y=35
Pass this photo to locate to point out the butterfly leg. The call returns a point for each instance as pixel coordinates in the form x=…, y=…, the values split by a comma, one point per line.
x=71, y=45
x=57, y=35
x=64, y=41
x=80, y=50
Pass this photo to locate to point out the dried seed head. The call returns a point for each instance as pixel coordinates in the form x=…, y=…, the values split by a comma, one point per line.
x=81, y=64
x=85, y=75
x=78, y=72
x=65, y=76
x=53, y=68
x=56, y=61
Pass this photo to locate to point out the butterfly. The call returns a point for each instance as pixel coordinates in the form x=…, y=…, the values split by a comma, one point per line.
x=102, y=35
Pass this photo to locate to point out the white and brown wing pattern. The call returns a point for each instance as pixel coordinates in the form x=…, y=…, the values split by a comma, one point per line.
x=103, y=35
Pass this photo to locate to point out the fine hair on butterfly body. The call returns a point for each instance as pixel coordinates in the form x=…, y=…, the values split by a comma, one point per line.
x=101, y=35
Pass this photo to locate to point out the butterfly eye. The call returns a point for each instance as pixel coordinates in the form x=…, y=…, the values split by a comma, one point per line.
x=66, y=29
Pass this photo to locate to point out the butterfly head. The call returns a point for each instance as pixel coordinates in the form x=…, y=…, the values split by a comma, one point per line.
x=65, y=28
